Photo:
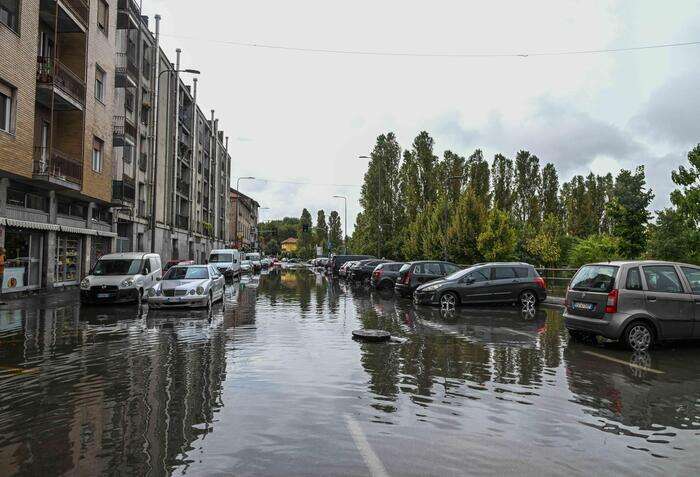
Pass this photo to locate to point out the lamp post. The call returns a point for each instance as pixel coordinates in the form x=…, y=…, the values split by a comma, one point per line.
x=155, y=163
x=345, y=238
x=238, y=198
x=379, y=207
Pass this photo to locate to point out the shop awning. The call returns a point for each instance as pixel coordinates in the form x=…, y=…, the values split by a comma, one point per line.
x=30, y=225
x=77, y=230
x=2, y=221
x=102, y=233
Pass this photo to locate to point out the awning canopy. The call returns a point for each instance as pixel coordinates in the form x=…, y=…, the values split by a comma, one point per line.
x=31, y=225
x=102, y=233
x=77, y=230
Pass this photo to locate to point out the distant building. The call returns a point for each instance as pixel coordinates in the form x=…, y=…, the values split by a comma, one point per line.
x=243, y=223
x=291, y=245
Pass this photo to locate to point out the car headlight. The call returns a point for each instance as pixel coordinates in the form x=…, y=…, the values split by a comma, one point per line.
x=85, y=284
x=200, y=291
x=430, y=288
x=151, y=292
x=192, y=292
x=127, y=283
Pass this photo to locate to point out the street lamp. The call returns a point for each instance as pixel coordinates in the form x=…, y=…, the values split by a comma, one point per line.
x=379, y=207
x=155, y=163
x=345, y=238
x=238, y=198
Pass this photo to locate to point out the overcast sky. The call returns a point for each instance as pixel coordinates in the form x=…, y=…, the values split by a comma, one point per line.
x=305, y=117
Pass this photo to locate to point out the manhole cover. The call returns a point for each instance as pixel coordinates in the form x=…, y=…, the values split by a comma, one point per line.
x=371, y=335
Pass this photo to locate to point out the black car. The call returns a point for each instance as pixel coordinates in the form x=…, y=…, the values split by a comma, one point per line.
x=363, y=269
x=486, y=283
x=338, y=260
x=414, y=274
x=384, y=275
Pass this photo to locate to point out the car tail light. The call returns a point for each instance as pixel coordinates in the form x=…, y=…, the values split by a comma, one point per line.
x=377, y=274
x=541, y=283
x=407, y=278
x=611, y=305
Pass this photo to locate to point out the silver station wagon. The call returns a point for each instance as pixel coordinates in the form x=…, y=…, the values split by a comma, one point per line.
x=637, y=302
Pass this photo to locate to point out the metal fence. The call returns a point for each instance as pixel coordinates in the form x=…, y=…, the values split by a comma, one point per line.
x=557, y=279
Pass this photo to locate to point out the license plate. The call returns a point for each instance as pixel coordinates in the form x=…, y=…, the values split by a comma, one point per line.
x=104, y=295
x=577, y=305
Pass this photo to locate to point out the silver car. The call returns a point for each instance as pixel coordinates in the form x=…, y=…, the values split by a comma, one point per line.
x=188, y=286
x=637, y=302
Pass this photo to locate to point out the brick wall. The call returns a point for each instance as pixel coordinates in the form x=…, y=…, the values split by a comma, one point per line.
x=18, y=68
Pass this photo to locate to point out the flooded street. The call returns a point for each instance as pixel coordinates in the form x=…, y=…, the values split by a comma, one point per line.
x=271, y=383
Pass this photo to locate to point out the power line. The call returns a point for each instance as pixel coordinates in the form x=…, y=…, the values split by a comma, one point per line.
x=437, y=55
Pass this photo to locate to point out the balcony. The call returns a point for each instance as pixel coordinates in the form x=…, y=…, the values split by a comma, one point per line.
x=183, y=188
x=128, y=14
x=126, y=71
x=58, y=168
x=54, y=77
x=124, y=133
x=182, y=221
x=124, y=191
x=71, y=16
x=143, y=162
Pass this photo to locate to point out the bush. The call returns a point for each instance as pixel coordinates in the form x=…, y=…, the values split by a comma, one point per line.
x=596, y=248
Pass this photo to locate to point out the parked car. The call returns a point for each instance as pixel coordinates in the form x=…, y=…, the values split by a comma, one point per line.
x=498, y=282
x=637, y=302
x=345, y=268
x=338, y=260
x=121, y=278
x=414, y=274
x=227, y=261
x=255, y=261
x=246, y=266
x=266, y=262
x=384, y=275
x=188, y=286
x=363, y=269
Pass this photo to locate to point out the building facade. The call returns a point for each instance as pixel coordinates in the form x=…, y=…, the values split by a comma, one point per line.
x=103, y=147
x=57, y=59
x=243, y=223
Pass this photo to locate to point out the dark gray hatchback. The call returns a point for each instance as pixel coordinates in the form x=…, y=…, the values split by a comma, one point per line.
x=637, y=302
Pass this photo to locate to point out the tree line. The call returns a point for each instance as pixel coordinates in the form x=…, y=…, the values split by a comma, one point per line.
x=326, y=234
x=416, y=205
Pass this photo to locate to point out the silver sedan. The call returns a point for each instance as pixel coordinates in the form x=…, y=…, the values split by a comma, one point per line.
x=188, y=286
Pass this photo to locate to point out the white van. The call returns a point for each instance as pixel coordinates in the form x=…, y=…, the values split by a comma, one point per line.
x=121, y=277
x=227, y=261
x=254, y=261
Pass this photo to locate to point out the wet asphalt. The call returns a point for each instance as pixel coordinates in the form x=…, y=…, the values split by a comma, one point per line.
x=270, y=382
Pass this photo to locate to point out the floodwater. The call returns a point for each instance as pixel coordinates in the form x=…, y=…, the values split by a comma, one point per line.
x=271, y=383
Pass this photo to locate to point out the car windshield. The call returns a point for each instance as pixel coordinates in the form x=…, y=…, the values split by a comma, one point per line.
x=460, y=273
x=221, y=258
x=114, y=267
x=245, y=262
x=186, y=273
x=600, y=278
x=253, y=256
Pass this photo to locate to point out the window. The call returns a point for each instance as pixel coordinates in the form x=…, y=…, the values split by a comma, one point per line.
x=430, y=268
x=693, y=276
x=503, y=273
x=634, y=280
x=662, y=278
x=129, y=101
x=9, y=14
x=97, y=148
x=100, y=84
x=522, y=272
x=103, y=16
x=599, y=278
x=481, y=275
x=7, y=96
x=449, y=268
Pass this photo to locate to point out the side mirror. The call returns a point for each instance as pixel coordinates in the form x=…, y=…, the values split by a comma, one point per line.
x=468, y=280
x=159, y=279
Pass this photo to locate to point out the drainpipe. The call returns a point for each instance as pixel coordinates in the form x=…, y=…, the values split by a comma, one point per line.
x=195, y=159
x=155, y=89
x=176, y=117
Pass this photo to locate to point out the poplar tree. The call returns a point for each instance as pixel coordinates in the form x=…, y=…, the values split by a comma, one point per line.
x=321, y=230
x=502, y=180
x=335, y=232
x=628, y=211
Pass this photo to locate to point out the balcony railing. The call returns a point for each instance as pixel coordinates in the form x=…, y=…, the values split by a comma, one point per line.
x=183, y=188
x=121, y=127
x=80, y=9
x=124, y=190
x=182, y=221
x=50, y=71
x=58, y=165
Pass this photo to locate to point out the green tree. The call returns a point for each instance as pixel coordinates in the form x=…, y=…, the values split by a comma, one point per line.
x=549, y=191
x=498, y=240
x=426, y=162
x=415, y=233
x=335, y=232
x=545, y=247
x=596, y=248
x=321, y=230
x=272, y=248
x=435, y=229
x=628, y=211
x=502, y=180
x=527, y=186
x=468, y=222
x=452, y=168
x=306, y=240
x=687, y=197
x=479, y=178
x=674, y=237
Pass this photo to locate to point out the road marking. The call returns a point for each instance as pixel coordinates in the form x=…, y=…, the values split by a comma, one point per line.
x=375, y=466
x=620, y=361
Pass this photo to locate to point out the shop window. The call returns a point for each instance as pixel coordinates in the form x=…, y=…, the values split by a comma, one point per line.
x=63, y=208
x=103, y=16
x=7, y=105
x=15, y=197
x=100, y=77
x=68, y=249
x=23, y=256
x=97, y=148
x=9, y=14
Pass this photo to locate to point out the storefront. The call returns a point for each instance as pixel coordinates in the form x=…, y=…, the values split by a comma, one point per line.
x=69, y=249
x=100, y=246
x=23, y=259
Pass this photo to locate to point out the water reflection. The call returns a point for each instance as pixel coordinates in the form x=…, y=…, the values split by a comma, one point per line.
x=261, y=385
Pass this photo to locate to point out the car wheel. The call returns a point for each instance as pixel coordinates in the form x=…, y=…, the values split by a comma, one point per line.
x=448, y=300
x=528, y=299
x=639, y=336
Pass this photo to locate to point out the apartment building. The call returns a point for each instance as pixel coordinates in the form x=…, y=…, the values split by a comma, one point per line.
x=171, y=189
x=243, y=223
x=57, y=60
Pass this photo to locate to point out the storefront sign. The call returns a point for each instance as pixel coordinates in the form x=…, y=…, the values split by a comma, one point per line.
x=13, y=278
